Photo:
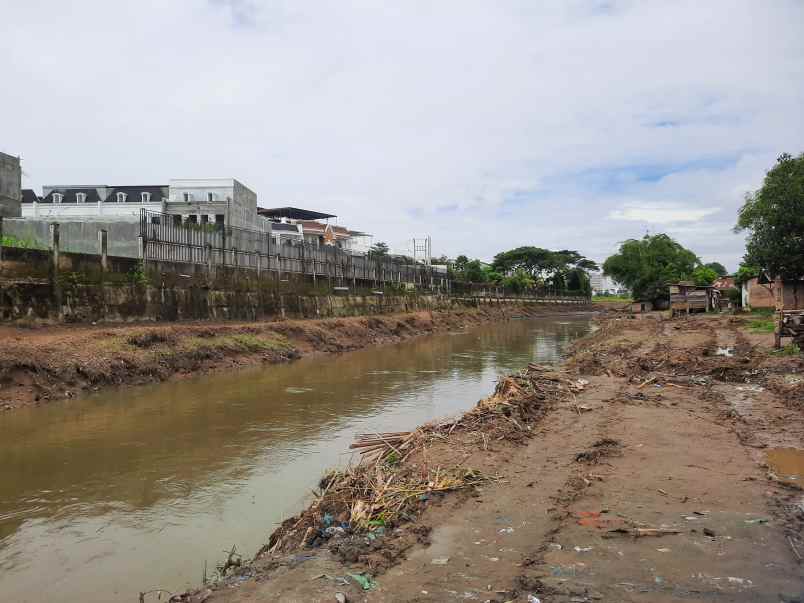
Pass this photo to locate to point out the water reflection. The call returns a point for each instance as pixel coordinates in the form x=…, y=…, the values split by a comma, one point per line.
x=135, y=488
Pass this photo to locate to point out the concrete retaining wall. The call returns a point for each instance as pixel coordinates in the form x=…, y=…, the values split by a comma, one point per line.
x=78, y=237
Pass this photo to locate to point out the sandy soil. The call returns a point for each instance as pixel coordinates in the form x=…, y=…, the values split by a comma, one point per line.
x=38, y=365
x=650, y=483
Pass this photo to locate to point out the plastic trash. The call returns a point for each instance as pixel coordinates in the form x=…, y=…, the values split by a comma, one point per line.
x=440, y=561
x=365, y=582
x=534, y=599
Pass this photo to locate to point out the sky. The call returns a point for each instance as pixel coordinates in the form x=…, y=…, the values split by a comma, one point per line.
x=486, y=125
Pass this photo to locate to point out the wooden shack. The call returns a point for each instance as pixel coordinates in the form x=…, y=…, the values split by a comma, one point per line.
x=686, y=296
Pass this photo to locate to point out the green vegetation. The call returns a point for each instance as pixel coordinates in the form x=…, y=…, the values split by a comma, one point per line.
x=703, y=276
x=378, y=250
x=791, y=349
x=237, y=343
x=773, y=216
x=526, y=268
x=601, y=299
x=762, y=325
x=137, y=275
x=12, y=241
x=719, y=268
x=745, y=273
x=646, y=265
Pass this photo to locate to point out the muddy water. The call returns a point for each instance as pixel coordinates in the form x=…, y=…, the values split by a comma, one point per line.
x=135, y=489
x=787, y=464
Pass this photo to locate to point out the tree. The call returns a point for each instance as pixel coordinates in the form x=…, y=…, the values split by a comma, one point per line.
x=773, y=216
x=719, y=268
x=578, y=280
x=704, y=276
x=745, y=273
x=646, y=265
x=378, y=250
x=520, y=281
x=543, y=265
x=473, y=272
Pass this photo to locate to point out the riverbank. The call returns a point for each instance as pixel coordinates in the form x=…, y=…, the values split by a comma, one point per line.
x=39, y=365
x=661, y=462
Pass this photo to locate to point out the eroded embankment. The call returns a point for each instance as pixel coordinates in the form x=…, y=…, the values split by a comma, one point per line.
x=52, y=363
x=636, y=472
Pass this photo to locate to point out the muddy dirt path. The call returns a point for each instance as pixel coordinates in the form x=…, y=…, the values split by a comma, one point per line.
x=651, y=483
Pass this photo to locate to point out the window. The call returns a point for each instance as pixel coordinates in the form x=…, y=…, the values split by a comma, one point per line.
x=121, y=197
x=187, y=197
x=210, y=197
x=57, y=197
x=80, y=197
x=145, y=197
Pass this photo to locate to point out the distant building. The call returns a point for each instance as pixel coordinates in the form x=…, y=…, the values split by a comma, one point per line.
x=292, y=224
x=10, y=186
x=204, y=200
x=222, y=200
x=602, y=284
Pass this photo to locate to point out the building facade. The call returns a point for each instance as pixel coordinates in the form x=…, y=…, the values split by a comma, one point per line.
x=10, y=186
x=215, y=200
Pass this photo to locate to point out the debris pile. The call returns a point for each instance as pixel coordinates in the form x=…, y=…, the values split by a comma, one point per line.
x=393, y=479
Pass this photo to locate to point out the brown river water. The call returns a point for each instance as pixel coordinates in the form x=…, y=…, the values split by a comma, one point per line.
x=137, y=488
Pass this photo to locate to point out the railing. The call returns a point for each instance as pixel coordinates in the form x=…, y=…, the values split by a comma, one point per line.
x=493, y=292
x=165, y=237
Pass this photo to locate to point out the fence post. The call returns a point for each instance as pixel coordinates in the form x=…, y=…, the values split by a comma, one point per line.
x=55, y=285
x=103, y=246
x=208, y=252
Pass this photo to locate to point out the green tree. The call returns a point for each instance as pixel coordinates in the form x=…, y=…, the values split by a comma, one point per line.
x=543, y=265
x=719, y=268
x=578, y=281
x=646, y=265
x=745, y=273
x=473, y=272
x=703, y=275
x=378, y=250
x=520, y=281
x=773, y=216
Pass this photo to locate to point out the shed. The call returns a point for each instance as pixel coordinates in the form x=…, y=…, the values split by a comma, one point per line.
x=686, y=296
x=641, y=306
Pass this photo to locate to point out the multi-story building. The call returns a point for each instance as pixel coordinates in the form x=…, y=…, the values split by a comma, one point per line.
x=201, y=200
x=601, y=283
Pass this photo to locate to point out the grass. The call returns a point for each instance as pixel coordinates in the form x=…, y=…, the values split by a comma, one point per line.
x=611, y=298
x=791, y=349
x=762, y=325
x=12, y=241
x=240, y=342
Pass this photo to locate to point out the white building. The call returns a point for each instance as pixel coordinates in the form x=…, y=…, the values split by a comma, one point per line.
x=201, y=200
x=601, y=283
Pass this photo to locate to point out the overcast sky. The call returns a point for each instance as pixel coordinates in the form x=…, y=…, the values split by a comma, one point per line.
x=487, y=125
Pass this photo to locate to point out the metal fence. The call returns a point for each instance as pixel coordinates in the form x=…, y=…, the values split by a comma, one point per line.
x=165, y=237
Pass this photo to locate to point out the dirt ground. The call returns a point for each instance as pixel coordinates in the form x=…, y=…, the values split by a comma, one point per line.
x=47, y=363
x=670, y=471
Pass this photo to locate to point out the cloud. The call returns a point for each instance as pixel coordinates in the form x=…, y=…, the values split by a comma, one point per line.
x=526, y=123
x=661, y=213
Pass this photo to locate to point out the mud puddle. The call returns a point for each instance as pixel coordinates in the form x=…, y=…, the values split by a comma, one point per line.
x=787, y=464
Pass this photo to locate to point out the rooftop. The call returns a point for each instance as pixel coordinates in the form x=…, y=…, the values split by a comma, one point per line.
x=294, y=213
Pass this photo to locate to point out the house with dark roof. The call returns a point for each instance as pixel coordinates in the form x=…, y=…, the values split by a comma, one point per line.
x=82, y=202
x=198, y=201
x=293, y=224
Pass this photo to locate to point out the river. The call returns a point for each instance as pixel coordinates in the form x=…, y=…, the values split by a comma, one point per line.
x=137, y=488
